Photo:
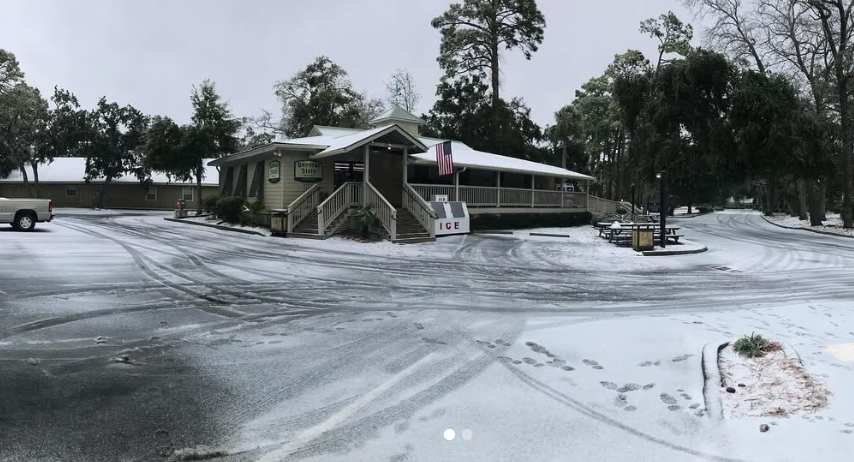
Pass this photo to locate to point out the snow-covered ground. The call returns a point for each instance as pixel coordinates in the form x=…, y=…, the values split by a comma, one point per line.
x=211, y=220
x=547, y=349
x=833, y=224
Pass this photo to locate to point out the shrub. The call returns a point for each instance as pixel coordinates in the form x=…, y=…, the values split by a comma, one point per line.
x=752, y=346
x=229, y=209
x=209, y=204
x=250, y=212
x=366, y=220
x=621, y=211
x=526, y=220
x=704, y=209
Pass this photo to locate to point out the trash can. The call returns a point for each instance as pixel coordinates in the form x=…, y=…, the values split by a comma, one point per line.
x=279, y=221
x=180, y=209
x=642, y=239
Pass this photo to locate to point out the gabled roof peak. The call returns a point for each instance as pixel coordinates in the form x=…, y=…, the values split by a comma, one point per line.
x=397, y=114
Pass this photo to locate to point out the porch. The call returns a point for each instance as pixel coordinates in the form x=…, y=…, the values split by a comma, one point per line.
x=495, y=199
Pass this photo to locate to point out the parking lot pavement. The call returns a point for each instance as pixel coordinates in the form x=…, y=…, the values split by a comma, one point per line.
x=126, y=337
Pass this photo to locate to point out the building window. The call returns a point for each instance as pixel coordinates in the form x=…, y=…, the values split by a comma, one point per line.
x=187, y=193
x=70, y=191
x=151, y=193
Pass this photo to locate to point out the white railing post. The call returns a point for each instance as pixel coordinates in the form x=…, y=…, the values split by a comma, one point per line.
x=498, y=201
x=533, y=194
x=290, y=227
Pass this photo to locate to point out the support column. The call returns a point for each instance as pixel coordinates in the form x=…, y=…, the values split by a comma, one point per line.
x=456, y=185
x=366, y=177
x=562, y=187
x=498, y=194
x=405, y=163
x=533, y=193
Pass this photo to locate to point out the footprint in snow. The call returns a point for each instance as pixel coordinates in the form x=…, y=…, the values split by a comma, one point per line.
x=630, y=408
x=629, y=387
x=502, y=343
x=621, y=401
x=681, y=358
x=609, y=385
x=649, y=386
x=667, y=399
x=593, y=364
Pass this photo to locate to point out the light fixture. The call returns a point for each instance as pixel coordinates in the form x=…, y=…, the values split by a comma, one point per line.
x=658, y=175
x=389, y=148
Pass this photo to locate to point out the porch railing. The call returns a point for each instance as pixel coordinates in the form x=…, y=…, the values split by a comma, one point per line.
x=419, y=208
x=479, y=196
x=606, y=206
x=346, y=196
x=487, y=196
x=302, y=207
x=427, y=191
x=382, y=209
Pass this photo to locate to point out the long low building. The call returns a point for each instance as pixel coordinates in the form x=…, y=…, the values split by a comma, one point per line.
x=63, y=182
x=319, y=178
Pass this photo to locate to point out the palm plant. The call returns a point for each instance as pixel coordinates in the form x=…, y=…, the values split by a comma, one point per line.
x=366, y=220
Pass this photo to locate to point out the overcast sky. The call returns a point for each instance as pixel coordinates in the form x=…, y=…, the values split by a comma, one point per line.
x=149, y=53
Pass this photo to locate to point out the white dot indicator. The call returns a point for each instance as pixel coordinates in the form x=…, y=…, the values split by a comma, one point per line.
x=449, y=434
x=466, y=434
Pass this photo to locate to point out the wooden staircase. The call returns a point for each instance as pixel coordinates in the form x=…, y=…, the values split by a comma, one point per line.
x=307, y=228
x=409, y=230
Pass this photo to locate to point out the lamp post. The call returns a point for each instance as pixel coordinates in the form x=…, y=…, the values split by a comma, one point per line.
x=634, y=219
x=662, y=177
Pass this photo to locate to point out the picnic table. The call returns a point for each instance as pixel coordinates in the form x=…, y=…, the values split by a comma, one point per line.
x=622, y=235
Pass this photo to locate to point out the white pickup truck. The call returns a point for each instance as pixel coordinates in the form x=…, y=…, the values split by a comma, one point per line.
x=23, y=214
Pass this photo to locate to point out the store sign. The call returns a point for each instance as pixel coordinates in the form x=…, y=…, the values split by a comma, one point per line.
x=275, y=173
x=308, y=171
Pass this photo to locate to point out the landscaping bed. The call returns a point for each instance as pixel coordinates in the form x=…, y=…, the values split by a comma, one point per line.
x=766, y=381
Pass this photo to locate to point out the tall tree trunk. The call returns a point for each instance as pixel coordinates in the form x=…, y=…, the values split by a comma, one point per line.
x=845, y=120
x=689, y=209
x=802, y=199
x=496, y=95
x=771, y=205
x=36, y=179
x=103, y=194
x=24, y=175
x=814, y=204
x=199, y=171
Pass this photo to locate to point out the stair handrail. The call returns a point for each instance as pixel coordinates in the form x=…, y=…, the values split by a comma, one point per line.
x=337, y=202
x=300, y=208
x=420, y=209
x=382, y=208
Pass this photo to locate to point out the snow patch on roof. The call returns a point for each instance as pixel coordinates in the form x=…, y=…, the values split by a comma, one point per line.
x=73, y=170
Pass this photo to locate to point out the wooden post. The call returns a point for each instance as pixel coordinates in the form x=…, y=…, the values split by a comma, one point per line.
x=366, y=177
x=405, y=160
x=533, y=193
x=498, y=195
x=562, y=187
x=456, y=185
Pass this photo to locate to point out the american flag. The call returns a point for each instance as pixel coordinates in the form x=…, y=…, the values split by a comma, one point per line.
x=444, y=158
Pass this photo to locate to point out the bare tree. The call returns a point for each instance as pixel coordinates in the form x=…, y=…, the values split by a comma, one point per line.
x=402, y=91
x=837, y=25
x=737, y=30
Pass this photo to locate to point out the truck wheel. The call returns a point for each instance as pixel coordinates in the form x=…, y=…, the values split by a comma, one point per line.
x=25, y=222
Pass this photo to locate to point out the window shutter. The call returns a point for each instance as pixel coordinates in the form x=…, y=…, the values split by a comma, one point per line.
x=229, y=179
x=240, y=188
x=257, y=188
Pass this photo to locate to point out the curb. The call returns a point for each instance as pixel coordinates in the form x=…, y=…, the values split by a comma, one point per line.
x=224, y=228
x=668, y=253
x=826, y=233
x=548, y=235
x=508, y=233
x=712, y=381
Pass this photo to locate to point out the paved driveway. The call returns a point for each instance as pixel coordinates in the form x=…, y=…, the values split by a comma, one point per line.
x=124, y=337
